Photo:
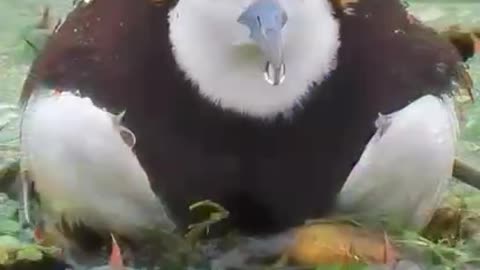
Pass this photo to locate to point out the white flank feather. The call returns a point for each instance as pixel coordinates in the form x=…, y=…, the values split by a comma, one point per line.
x=406, y=166
x=83, y=169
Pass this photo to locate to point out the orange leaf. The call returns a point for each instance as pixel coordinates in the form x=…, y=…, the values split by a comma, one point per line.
x=116, y=260
x=339, y=244
x=38, y=234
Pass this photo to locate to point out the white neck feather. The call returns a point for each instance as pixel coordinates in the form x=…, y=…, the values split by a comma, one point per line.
x=214, y=52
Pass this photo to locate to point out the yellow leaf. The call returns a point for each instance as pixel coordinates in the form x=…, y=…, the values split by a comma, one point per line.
x=339, y=244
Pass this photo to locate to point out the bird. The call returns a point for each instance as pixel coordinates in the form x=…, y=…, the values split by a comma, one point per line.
x=135, y=110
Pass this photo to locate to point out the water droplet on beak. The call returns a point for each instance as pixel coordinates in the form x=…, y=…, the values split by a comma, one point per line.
x=274, y=76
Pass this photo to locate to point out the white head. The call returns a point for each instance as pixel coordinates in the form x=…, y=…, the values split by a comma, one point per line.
x=255, y=57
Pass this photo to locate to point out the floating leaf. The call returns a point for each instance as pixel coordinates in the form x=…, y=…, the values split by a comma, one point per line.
x=334, y=244
x=9, y=243
x=9, y=226
x=29, y=253
x=8, y=209
x=216, y=214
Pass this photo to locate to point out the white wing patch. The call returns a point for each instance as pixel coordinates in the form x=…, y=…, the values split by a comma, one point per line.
x=406, y=166
x=84, y=168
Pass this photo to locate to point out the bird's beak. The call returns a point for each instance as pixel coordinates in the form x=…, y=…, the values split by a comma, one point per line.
x=266, y=19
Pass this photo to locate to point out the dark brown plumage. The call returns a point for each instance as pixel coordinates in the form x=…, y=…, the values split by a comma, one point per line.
x=268, y=175
x=465, y=40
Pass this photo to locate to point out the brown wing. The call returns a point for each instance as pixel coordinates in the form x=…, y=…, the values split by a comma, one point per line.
x=97, y=47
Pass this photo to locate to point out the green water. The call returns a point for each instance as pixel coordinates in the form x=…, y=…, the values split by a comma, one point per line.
x=19, y=18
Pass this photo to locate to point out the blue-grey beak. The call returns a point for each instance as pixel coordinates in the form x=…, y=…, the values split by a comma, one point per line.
x=266, y=19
